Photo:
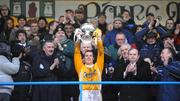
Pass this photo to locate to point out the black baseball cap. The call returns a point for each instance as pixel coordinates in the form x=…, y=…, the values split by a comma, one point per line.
x=151, y=34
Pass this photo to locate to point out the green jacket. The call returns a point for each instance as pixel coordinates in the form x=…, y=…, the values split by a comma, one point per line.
x=66, y=56
x=113, y=49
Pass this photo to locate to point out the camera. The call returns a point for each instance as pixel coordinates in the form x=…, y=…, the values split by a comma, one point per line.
x=16, y=50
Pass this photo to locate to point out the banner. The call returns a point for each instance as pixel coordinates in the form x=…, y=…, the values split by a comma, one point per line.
x=162, y=9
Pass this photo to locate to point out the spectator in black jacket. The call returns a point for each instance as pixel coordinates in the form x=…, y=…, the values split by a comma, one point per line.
x=135, y=69
x=46, y=67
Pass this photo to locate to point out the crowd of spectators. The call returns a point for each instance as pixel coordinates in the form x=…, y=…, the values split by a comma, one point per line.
x=45, y=51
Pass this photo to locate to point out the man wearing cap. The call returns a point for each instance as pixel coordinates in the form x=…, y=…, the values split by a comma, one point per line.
x=65, y=52
x=65, y=47
x=150, y=47
x=118, y=27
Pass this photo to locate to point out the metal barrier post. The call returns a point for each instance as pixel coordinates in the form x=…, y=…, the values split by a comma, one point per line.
x=81, y=88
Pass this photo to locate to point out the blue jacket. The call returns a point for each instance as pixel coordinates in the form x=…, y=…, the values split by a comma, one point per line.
x=171, y=72
x=151, y=51
x=147, y=50
x=140, y=34
x=111, y=36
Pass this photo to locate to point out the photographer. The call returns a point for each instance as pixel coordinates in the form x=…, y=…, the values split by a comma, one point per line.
x=7, y=69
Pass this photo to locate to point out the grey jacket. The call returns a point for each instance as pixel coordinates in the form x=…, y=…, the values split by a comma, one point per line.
x=7, y=69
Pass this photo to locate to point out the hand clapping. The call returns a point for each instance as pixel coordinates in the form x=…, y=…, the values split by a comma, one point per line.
x=55, y=64
x=131, y=68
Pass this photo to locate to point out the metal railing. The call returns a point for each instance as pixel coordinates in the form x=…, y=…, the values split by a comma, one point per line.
x=80, y=83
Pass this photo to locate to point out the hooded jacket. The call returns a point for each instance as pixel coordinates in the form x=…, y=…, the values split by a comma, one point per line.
x=7, y=69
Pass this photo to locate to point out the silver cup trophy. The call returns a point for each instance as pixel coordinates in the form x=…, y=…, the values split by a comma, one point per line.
x=84, y=33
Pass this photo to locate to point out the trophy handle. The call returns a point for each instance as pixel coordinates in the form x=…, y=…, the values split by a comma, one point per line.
x=77, y=34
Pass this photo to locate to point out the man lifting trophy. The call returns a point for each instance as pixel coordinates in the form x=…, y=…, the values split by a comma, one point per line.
x=87, y=70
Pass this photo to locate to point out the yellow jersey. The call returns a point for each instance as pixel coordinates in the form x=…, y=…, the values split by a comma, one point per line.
x=88, y=74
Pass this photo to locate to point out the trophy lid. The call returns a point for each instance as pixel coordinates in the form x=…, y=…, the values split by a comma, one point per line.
x=87, y=28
